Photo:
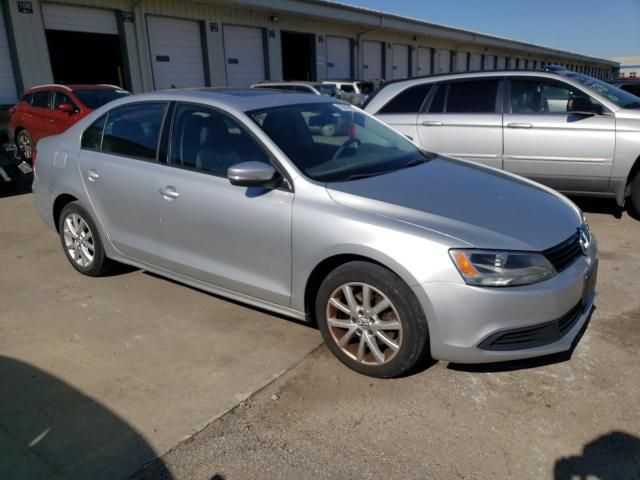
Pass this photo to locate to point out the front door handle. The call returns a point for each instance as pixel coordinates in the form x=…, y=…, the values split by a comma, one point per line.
x=432, y=123
x=519, y=125
x=169, y=193
x=92, y=175
x=51, y=120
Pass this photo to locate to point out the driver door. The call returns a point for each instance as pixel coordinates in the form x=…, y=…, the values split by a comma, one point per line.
x=237, y=238
x=544, y=141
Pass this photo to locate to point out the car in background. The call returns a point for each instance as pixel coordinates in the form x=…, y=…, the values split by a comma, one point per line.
x=631, y=86
x=313, y=88
x=354, y=92
x=564, y=129
x=51, y=109
x=396, y=254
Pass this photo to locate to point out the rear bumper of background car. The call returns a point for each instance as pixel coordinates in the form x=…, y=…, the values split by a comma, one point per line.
x=469, y=324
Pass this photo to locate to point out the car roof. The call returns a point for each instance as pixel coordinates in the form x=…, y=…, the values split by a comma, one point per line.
x=243, y=99
x=289, y=82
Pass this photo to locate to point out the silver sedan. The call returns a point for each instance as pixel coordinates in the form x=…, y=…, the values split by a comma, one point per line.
x=309, y=207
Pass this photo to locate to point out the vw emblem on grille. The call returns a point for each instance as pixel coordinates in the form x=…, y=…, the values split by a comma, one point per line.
x=584, y=240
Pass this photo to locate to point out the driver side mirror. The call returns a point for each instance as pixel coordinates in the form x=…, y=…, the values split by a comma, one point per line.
x=253, y=174
x=66, y=108
x=584, y=106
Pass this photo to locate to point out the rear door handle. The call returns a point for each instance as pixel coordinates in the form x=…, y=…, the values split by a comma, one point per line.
x=92, y=175
x=519, y=125
x=51, y=120
x=432, y=123
x=169, y=193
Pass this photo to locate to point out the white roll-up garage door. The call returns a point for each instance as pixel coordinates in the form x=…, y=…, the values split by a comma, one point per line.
x=338, y=58
x=461, y=61
x=371, y=60
x=475, y=62
x=400, y=63
x=501, y=63
x=489, y=62
x=176, y=52
x=79, y=19
x=243, y=55
x=443, y=61
x=8, y=93
x=424, y=61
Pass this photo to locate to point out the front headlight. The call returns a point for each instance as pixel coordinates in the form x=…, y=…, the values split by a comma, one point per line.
x=491, y=268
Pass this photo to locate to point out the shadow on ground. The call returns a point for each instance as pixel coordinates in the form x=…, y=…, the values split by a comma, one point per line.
x=614, y=456
x=49, y=429
x=21, y=186
x=605, y=206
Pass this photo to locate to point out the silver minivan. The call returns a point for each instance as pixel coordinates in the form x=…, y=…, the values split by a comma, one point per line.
x=569, y=131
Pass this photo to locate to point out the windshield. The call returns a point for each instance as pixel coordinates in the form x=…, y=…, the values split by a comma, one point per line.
x=326, y=90
x=336, y=142
x=614, y=94
x=98, y=97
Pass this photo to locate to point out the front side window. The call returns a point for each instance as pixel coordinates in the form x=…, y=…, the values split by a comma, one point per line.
x=207, y=140
x=336, y=142
x=407, y=101
x=133, y=130
x=477, y=96
x=40, y=99
x=542, y=96
x=96, y=98
x=92, y=136
x=60, y=98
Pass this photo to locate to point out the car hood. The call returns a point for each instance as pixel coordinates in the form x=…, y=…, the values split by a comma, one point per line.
x=479, y=206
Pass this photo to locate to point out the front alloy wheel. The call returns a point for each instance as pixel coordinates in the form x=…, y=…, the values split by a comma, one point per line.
x=25, y=144
x=364, y=323
x=371, y=320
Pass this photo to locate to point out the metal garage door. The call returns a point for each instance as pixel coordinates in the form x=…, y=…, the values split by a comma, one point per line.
x=475, y=61
x=338, y=58
x=489, y=62
x=424, y=61
x=461, y=61
x=400, y=63
x=7, y=82
x=79, y=19
x=501, y=63
x=371, y=60
x=176, y=52
x=243, y=55
x=443, y=61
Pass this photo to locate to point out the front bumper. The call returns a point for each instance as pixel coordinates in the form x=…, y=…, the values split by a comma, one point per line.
x=462, y=318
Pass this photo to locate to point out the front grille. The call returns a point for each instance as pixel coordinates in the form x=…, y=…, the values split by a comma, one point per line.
x=563, y=255
x=534, y=336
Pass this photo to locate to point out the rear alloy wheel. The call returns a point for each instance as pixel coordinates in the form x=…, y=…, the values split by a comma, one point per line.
x=25, y=144
x=371, y=320
x=81, y=242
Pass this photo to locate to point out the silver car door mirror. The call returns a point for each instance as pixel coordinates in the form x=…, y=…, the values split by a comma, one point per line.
x=253, y=174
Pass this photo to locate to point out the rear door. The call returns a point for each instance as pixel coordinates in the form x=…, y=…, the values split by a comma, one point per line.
x=545, y=142
x=464, y=120
x=233, y=237
x=121, y=175
x=38, y=119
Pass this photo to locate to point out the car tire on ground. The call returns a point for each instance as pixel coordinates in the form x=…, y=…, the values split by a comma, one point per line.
x=371, y=320
x=81, y=241
x=634, y=199
x=25, y=144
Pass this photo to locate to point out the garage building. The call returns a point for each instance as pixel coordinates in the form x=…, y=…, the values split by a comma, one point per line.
x=144, y=45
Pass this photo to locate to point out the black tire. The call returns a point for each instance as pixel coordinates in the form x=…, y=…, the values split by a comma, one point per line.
x=100, y=264
x=23, y=139
x=634, y=199
x=413, y=336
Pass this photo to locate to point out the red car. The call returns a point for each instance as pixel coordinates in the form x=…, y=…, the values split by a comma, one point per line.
x=50, y=109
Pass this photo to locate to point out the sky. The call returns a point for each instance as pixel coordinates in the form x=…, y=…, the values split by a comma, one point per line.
x=600, y=28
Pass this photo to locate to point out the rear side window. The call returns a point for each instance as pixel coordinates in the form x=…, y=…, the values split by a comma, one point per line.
x=437, y=104
x=40, y=99
x=134, y=130
x=407, y=101
x=478, y=96
x=92, y=136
